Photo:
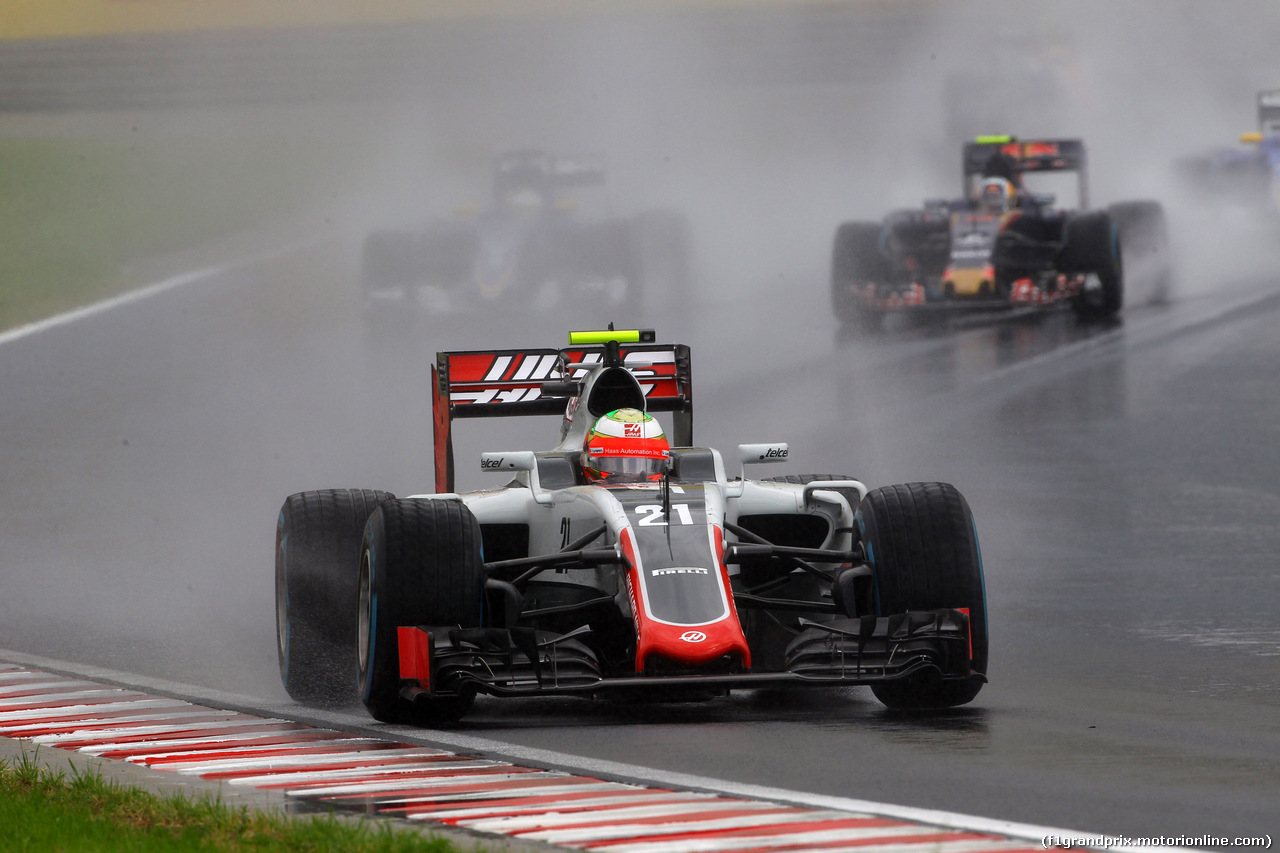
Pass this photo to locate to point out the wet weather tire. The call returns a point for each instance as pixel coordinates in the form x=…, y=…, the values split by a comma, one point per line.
x=856, y=260
x=1092, y=245
x=318, y=537
x=1144, y=238
x=391, y=259
x=420, y=564
x=923, y=550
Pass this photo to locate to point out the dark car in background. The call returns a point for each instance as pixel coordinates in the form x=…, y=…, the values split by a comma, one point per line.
x=1003, y=245
x=548, y=238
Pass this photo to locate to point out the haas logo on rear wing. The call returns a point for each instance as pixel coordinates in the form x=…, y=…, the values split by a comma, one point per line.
x=509, y=377
x=502, y=383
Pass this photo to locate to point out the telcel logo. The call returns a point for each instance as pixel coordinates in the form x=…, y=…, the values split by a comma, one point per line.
x=488, y=462
x=693, y=636
x=775, y=453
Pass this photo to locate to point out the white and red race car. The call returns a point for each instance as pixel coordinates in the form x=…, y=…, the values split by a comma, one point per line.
x=686, y=586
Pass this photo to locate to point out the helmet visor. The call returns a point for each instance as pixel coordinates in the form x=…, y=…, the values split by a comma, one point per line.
x=629, y=468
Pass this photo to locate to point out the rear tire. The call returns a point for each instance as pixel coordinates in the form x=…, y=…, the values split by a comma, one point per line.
x=856, y=260
x=922, y=547
x=420, y=564
x=391, y=259
x=1092, y=245
x=1144, y=239
x=318, y=538
x=391, y=265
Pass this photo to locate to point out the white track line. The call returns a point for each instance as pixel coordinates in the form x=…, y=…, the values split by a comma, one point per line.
x=114, y=302
x=128, y=298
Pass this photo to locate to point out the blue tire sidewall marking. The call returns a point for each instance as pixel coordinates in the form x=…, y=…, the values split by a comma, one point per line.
x=982, y=579
x=373, y=624
x=481, y=623
x=282, y=628
x=871, y=561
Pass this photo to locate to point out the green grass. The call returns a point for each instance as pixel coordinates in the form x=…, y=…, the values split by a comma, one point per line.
x=75, y=211
x=44, y=810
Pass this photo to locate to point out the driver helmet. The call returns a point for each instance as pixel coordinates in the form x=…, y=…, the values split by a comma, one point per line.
x=625, y=446
x=522, y=200
x=996, y=194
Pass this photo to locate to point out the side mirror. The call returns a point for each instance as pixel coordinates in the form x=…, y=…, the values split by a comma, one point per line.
x=755, y=453
x=519, y=460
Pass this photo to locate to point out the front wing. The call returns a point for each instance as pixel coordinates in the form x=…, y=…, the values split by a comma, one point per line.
x=913, y=299
x=443, y=661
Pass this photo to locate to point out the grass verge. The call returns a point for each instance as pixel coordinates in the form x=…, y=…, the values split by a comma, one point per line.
x=74, y=211
x=45, y=810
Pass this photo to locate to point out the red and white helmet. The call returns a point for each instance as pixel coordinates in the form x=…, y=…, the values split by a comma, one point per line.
x=625, y=446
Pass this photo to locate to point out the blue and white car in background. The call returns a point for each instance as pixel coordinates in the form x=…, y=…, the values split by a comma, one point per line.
x=1246, y=176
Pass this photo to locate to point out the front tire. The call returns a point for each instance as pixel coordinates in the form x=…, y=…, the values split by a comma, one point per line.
x=922, y=547
x=420, y=564
x=318, y=538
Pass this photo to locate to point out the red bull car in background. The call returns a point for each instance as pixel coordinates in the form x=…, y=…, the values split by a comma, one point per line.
x=1003, y=245
x=684, y=584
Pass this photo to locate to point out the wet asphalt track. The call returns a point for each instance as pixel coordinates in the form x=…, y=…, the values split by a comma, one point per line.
x=1123, y=479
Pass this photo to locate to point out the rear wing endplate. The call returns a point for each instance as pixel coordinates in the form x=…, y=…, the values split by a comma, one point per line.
x=1269, y=112
x=557, y=172
x=509, y=383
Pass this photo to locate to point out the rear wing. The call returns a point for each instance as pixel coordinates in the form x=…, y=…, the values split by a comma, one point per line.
x=1024, y=155
x=530, y=166
x=508, y=383
x=578, y=171
x=1028, y=155
x=1269, y=112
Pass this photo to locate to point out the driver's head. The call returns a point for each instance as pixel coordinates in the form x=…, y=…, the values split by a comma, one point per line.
x=625, y=446
x=996, y=194
x=523, y=200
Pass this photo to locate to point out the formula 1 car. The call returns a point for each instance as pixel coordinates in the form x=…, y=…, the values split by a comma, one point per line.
x=1248, y=177
x=531, y=249
x=1001, y=246
x=676, y=588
